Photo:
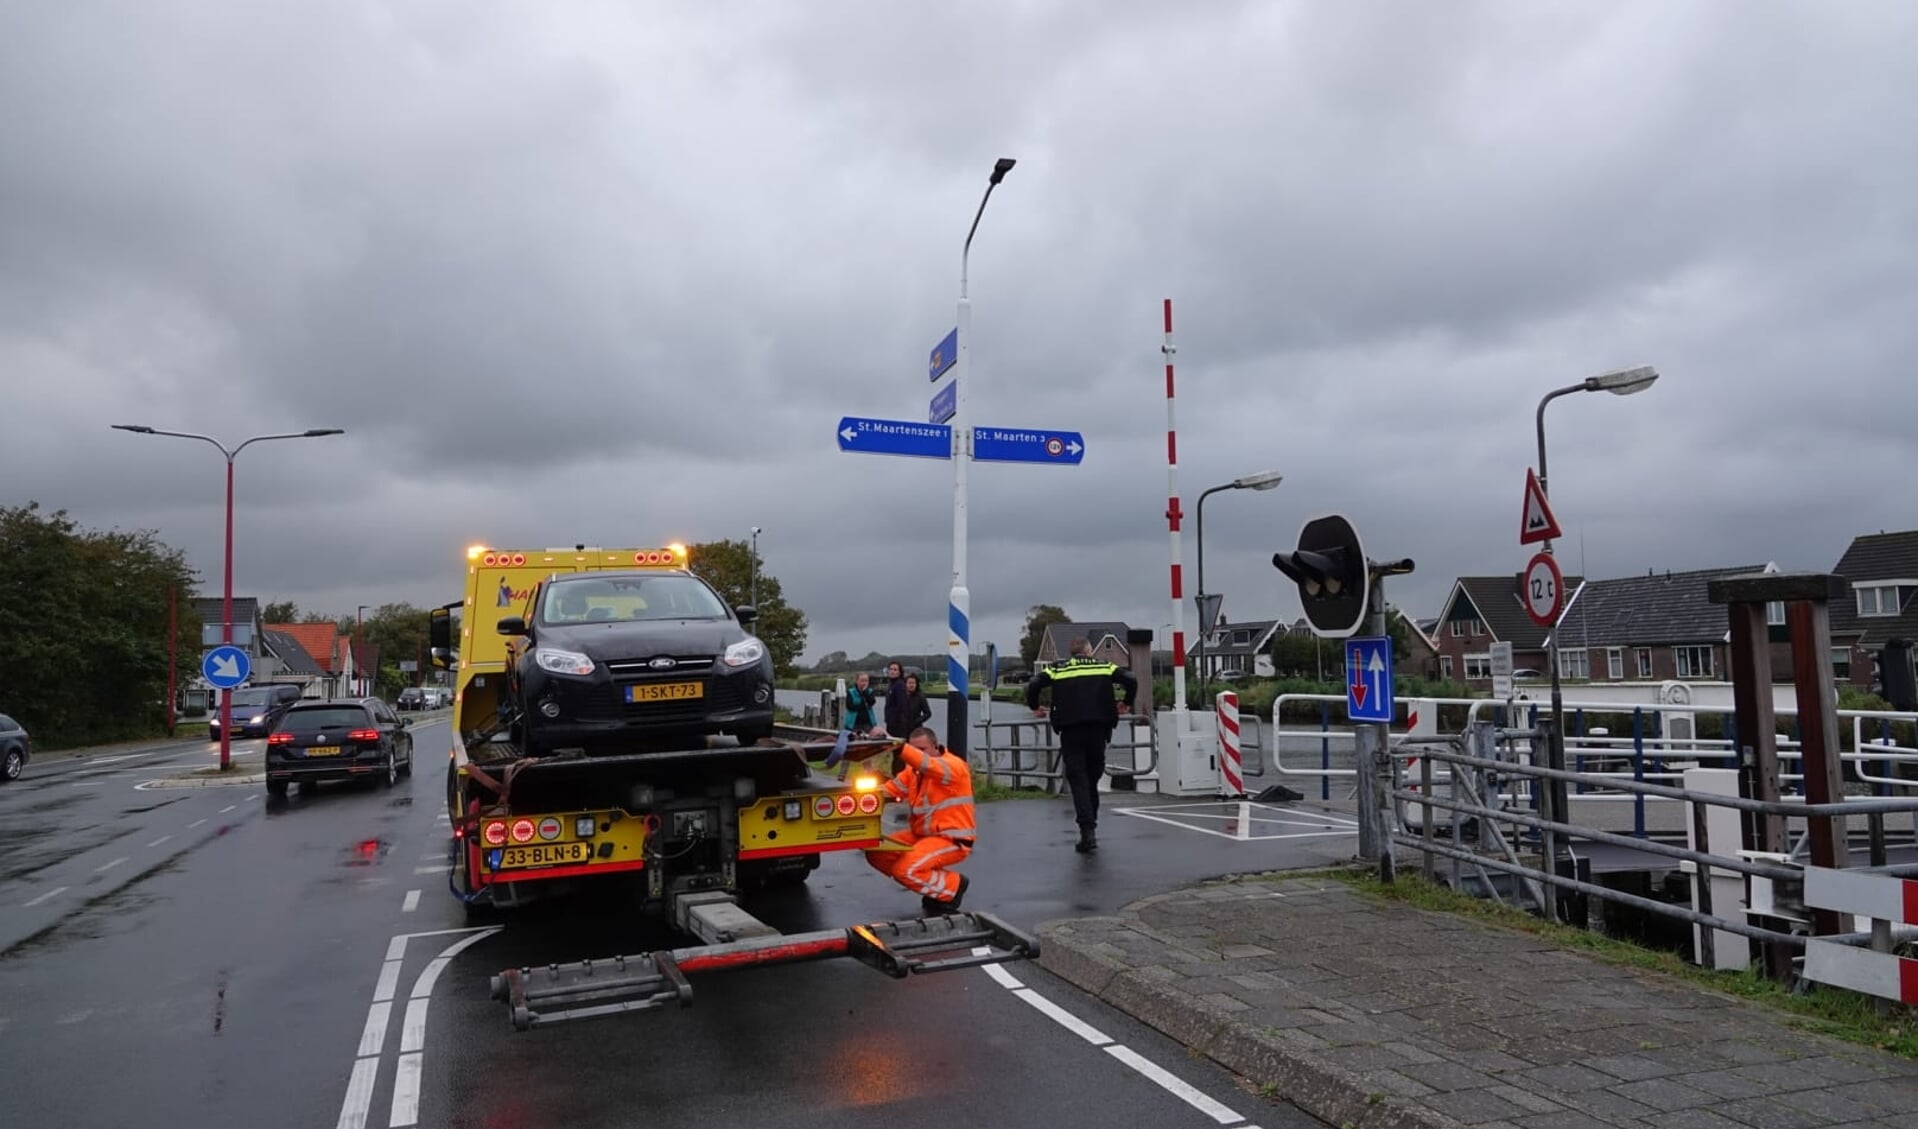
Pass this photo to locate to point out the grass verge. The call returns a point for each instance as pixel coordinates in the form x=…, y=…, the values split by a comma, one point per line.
x=1834, y=1012
x=985, y=791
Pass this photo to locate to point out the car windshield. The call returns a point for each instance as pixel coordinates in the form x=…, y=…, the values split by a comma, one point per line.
x=611, y=599
x=248, y=698
x=330, y=717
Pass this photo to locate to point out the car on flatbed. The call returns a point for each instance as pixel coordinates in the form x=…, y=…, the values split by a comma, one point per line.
x=618, y=661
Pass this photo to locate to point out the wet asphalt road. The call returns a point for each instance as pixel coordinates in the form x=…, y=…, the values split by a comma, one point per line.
x=280, y=965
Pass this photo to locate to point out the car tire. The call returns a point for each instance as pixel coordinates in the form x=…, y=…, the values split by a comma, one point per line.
x=406, y=770
x=391, y=775
x=12, y=765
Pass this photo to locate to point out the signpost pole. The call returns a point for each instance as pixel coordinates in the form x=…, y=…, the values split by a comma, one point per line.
x=959, y=601
x=1374, y=739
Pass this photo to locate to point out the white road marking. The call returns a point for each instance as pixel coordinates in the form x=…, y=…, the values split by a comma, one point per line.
x=389, y=984
x=406, y=1091
x=411, y=903
x=359, y=1094
x=108, y=866
x=160, y=840
x=194, y=824
x=406, y=1106
x=228, y=808
x=50, y=894
x=1166, y=1080
x=442, y=868
x=373, y=1035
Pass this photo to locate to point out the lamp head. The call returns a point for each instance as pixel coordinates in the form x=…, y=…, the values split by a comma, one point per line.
x=138, y=429
x=1264, y=480
x=1623, y=382
x=1000, y=168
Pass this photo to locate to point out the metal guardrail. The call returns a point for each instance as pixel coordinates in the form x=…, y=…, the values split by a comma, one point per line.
x=1476, y=759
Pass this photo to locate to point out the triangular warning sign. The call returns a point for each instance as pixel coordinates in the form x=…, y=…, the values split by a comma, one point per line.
x=1537, y=523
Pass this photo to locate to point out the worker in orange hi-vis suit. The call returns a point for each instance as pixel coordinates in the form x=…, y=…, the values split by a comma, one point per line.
x=936, y=786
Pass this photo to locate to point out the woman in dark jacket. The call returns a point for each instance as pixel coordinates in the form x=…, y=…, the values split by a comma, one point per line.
x=917, y=711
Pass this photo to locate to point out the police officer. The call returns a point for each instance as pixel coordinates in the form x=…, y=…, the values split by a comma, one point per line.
x=1084, y=714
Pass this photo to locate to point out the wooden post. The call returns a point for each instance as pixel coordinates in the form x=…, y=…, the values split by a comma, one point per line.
x=1752, y=711
x=1810, y=624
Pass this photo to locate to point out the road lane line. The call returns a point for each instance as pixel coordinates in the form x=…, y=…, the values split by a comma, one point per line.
x=389, y=984
x=411, y=903
x=194, y=824
x=228, y=808
x=442, y=868
x=359, y=1094
x=53, y=893
x=406, y=1104
x=108, y=866
x=160, y=840
x=373, y=1035
x=1164, y=1079
x=406, y=1091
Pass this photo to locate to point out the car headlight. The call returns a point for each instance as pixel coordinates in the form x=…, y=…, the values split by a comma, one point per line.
x=745, y=652
x=562, y=662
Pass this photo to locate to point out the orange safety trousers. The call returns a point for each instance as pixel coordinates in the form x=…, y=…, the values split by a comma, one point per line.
x=924, y=866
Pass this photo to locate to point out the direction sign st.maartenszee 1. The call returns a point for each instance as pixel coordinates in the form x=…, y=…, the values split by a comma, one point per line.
x=895, y=437
x=225, y=667
x=1027, y=445
x=1368, y=678
x=945, y=403
x=1544, y=589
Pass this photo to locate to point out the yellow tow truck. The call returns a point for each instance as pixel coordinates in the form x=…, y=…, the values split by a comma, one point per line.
x=612, y=736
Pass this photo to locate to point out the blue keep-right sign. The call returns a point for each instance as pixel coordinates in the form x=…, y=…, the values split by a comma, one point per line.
x=1368, y=678
x=225, y=667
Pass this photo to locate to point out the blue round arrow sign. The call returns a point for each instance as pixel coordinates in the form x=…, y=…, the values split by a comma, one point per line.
x=226, y=666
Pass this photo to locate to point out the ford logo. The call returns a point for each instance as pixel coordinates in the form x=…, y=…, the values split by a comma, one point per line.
x=663, y=663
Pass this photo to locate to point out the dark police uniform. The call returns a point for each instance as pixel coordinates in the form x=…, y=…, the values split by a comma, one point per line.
x=1084, y=714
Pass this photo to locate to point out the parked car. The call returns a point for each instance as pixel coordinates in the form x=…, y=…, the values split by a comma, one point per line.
x=412, y=698
x=338, y=739
x=16, y=748
x=256, y=710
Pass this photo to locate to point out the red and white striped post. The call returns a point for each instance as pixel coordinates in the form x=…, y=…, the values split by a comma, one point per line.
x=1172, y=516
x=1231, y=761
x=1882, y=897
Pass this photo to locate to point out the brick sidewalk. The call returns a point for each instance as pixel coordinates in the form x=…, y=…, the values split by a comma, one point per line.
x=1368, y=1013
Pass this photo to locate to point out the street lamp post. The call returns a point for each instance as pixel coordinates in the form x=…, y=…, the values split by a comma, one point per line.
x=1622, y=382
x=226, y=616
x=752, y=584
x=353, y=648
x=959, y=609
x=1264, y=480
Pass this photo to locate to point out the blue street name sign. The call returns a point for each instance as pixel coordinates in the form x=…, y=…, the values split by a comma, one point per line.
x=895, y=437
x=945, y=403
x=225, y=667
x=944, y=355
x=1027, y=445
x=1368, y=678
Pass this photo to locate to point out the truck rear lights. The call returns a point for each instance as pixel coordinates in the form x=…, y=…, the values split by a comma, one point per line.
x=822, y=807
x=494, y=833
x=523, y=830
x=549, y=828
x=503, y=560
x=869, y=803
x=865, y=782
x=369, y=736
x=847, y=805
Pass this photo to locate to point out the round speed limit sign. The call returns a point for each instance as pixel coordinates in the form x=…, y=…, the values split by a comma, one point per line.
x=1544, y=589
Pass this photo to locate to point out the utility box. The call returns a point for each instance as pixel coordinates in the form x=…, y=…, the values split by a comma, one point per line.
x=1188, y=743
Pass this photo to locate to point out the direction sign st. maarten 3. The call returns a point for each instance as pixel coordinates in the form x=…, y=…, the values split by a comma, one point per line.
x=1026, y=445
x=934, y=441
x=1368, y=678
x=225, y=667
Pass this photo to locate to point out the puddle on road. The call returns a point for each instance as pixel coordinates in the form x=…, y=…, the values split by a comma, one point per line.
x=367, y=852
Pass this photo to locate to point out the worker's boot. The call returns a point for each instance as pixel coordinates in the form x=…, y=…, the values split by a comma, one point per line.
x=933, y=907
x=1087, y=841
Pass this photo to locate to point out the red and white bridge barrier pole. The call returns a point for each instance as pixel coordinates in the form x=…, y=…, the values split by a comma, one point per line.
x=1231, y=762
x=1879, y=896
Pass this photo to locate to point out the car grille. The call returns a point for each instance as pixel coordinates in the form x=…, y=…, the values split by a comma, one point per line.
x=628, y=670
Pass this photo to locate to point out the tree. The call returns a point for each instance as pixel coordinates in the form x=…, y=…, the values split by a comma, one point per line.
x=1295, y=654
x=280, y=611
x=1038, y=618
x=399, y=631
x=85, y=653
x=729, y=566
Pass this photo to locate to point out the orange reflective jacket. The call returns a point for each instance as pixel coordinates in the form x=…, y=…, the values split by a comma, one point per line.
x=937, y=788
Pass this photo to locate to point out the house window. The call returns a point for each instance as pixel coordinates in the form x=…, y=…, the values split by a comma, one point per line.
x=1575, y=664
x=1241, y=638
x=1775, y=613
x=1458, y=629
x=1615, y=663
x=1879, y=599
x=1445, y=667
x=1841, y=662
x=1478, y=667
x=1478, y=629
x=1693, y=662
x=1644, y=662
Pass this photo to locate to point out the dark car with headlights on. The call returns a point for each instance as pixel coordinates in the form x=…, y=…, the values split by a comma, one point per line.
x=639, y=661
x=343, y=739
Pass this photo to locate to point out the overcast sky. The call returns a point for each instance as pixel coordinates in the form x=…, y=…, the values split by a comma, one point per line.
x=611, y=272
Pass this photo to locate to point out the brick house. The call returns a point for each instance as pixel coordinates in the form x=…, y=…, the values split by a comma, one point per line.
x=1108, y=643
x=1883, y=570
x=1481, y=611
x=1653, y=628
